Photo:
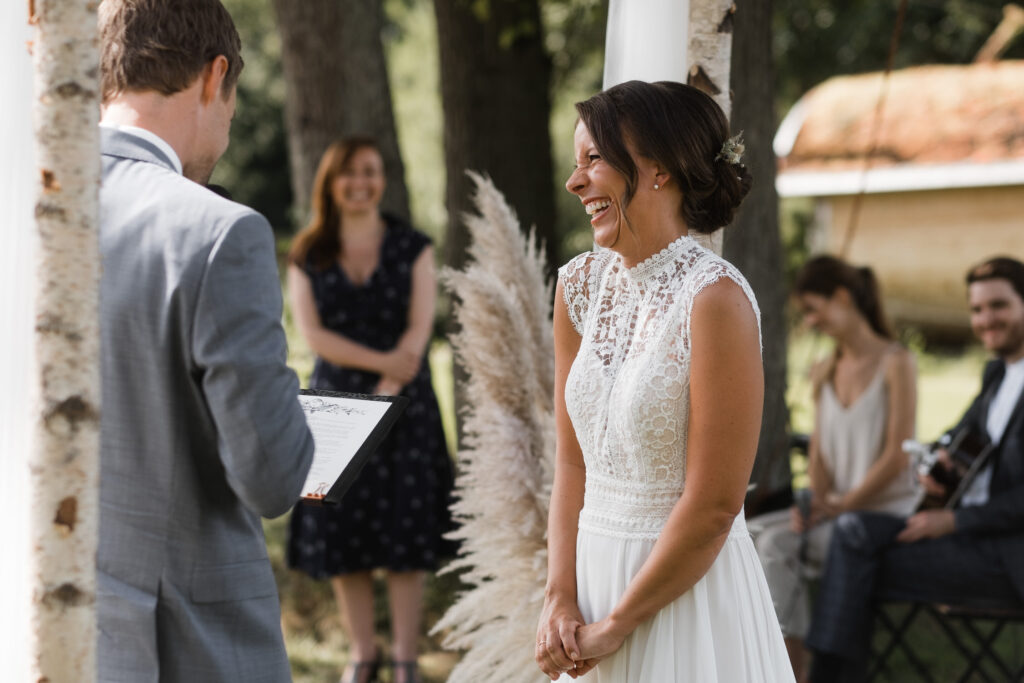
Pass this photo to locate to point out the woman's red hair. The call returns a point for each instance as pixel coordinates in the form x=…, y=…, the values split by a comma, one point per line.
x=319, y=243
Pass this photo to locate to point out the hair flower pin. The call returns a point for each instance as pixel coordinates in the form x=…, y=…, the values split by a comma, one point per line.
x=732, y=150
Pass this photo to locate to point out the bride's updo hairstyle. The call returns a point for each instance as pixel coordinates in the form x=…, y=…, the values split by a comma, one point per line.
x=680, y=128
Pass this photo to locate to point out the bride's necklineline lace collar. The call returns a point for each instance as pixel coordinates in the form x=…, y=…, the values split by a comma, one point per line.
x=655, y=263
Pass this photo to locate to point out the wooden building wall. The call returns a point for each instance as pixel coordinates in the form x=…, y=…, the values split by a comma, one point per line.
x=921, y=244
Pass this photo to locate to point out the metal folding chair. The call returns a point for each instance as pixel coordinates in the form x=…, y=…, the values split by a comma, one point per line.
x=975, y=639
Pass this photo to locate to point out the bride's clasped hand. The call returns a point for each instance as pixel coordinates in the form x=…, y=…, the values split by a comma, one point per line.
x=557, y=650
x=581, y=650
x=597, y=641
x=572, y=647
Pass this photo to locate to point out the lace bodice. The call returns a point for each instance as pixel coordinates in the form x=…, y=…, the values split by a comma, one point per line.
x=627, y=392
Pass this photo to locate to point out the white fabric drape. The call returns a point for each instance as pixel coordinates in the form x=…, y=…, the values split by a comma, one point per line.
x=647, y=40
x=17, y=258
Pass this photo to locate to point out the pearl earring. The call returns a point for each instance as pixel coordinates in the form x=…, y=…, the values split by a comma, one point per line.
x=656, y=186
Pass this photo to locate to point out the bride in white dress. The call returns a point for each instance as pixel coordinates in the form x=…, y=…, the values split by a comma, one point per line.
x=652, y=576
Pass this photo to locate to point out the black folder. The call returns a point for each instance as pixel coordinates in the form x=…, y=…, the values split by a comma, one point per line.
x=330, y=493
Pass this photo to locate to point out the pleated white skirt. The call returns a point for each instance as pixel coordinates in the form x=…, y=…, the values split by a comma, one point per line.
x=723, y=630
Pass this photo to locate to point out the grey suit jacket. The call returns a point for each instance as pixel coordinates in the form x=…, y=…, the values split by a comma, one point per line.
x=201, y=431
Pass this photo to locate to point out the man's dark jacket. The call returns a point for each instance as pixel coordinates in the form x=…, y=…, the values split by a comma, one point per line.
x=1003, y=514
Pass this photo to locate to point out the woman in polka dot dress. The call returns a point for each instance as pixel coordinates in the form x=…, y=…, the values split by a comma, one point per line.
x=363, y=289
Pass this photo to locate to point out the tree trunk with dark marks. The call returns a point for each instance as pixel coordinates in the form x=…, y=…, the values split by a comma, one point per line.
x=494, y=87
x=64, y=467
x=495, y=77
x=752, y=243
x=710, y=58
x=17, y=267
x=337, y=85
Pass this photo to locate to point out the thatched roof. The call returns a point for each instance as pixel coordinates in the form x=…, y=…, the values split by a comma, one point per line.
x=934, y=118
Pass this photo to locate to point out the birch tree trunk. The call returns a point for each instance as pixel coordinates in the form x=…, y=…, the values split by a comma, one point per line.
x=337, y=82
x=709, y=63
x=17, y=252
x=65, y=454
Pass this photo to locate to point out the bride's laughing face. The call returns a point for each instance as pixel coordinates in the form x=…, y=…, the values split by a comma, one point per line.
x=599, y=187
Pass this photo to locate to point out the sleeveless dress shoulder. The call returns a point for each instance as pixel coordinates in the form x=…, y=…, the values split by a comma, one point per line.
x=627, y=394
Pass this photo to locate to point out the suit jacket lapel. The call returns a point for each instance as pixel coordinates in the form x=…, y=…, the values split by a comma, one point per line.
x=1015, y=417
x=997, y=370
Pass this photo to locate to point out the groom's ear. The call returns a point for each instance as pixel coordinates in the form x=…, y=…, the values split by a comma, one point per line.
x=212, y=78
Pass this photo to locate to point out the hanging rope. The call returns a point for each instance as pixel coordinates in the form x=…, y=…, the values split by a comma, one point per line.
x=876, y=127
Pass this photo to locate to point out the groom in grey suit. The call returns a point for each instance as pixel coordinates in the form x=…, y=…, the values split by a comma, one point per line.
x=202, y=432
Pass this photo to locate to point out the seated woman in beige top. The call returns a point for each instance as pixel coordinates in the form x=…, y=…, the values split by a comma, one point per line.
x=865, y=397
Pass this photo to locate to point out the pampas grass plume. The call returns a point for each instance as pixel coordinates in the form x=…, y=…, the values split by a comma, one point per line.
x=503, y=308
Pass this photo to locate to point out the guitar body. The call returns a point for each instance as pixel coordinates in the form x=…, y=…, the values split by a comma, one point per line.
x=968, y=453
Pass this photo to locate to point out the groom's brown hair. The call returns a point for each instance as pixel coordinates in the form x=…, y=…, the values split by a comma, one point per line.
x=164, y=45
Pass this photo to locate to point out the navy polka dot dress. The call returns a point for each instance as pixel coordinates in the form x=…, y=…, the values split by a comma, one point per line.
x=397, y=509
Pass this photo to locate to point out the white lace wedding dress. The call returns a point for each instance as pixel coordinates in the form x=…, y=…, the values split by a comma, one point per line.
x=627, y=394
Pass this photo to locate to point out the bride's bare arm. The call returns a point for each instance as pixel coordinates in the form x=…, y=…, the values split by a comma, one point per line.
x=556, y=632
x=726, y=397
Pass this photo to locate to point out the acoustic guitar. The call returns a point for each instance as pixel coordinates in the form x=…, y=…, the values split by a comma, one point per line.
x=968, y=453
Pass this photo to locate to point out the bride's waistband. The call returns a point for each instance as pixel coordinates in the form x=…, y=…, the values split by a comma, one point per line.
x=622, y=510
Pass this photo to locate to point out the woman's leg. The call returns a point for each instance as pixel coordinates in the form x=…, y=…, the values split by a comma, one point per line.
x=354, y=595
x=405, y=595
x=785, y=556
x=339, y=600
x=797, y=657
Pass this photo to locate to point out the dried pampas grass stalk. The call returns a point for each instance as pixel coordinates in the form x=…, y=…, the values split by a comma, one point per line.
x=503, y=308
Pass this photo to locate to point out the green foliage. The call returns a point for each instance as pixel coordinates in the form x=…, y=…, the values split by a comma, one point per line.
x=511, y=35
x=411, y=48
x=816, y=39
x=255, y=167
x=481, y=10
x=574, y=32
x=796, y=217
x=574, y=37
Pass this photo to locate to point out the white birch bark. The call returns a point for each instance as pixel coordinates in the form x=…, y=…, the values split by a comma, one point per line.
x=17, y=251
x=642, y=44
x=710, y=56
x=64, y=469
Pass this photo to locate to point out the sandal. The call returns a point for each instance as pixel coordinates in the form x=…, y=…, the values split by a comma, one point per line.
x=411, y=669
x=372, y=668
